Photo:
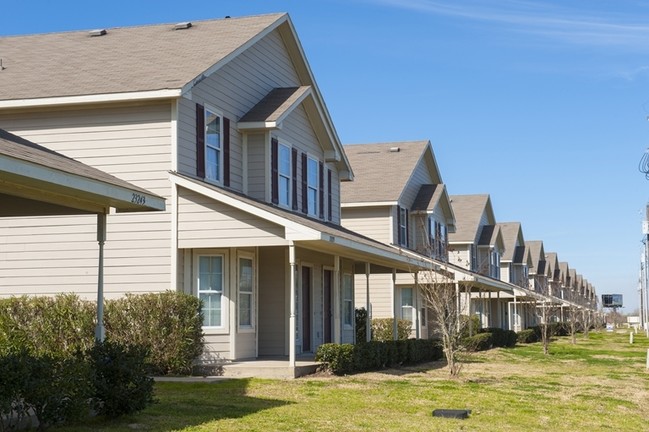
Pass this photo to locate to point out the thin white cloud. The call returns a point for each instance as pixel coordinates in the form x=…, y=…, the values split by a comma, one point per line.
x=543, y=19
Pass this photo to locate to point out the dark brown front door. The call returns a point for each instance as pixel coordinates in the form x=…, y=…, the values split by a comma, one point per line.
x=306, y=309
x=328, y=312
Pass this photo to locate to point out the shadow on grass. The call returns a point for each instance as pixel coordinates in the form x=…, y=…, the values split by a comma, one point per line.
x=187, y=404
x=413, y=369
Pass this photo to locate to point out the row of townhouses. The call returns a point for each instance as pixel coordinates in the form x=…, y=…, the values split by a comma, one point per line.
x=259, y=209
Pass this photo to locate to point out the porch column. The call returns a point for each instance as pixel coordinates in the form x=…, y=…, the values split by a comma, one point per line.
x=100, y=331
x=336, y=300
x=395, y=325
x=416, y=304
x=291, y=321
x=368, y=321
x=515, y=317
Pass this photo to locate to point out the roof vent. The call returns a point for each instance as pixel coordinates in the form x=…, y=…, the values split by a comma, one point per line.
x=183, y=25
x=395, y=149
x=97, y=32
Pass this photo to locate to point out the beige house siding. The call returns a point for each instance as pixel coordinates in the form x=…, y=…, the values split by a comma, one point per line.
x=48, y=255
x=273, y=295
x=234, y=90
x=204, y=222
x=258, y=166
x=373, y=222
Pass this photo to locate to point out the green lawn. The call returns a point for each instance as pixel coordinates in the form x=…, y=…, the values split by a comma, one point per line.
x=599, y=384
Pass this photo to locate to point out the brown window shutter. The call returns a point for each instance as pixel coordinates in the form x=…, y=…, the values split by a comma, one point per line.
x=330, y=214
x=399, y=239
x=321, y=189
x=200, y=141
x=274, y=171
x=305, y=200
x=226, y=151
x=294, y=178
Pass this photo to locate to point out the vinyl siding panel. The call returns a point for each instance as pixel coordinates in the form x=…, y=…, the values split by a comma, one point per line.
x=205, y=223
x=420, y=176
x=373, y=222
x=380, y=294
x=273, y=315
x=258, y=166
x=47, y=255
x=234, y=90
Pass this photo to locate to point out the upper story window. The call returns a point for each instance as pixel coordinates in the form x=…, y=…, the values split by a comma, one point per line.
x=212, y=145
x=494, y=263
x=474, y=258
x=402, y=226
x=312, y=187
x=213, y=152
x=438, y=238
x=284, y=175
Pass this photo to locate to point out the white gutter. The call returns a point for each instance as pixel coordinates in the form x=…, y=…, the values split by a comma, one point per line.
x=85, y=99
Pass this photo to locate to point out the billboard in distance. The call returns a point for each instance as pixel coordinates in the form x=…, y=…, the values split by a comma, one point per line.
x=612, y=300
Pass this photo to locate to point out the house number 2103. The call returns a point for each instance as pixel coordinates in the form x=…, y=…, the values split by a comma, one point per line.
x=138, y=199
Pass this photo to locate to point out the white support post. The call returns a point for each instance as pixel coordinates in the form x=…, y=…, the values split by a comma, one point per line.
x=292, y=328
x=416, y=304
x=368, y=322
x=395, y=328
x=336, y=301
x=515, y=317
x=100, y=331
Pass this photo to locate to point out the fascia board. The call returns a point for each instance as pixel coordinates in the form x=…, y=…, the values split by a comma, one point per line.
x=369, y=204
x=114, y=196
x=88, y=99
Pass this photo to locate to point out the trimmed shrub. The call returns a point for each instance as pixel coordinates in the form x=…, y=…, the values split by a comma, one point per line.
x=338, y=358
x=361, y=324
x=13, y=373
x=529, y=335
x=343, y=359
x=472, y=321
x=479, y=342
x=168, y=324
x=383, y=329
x=55, y=389
x=120, y=379
x=60, y=325
x=501, y=337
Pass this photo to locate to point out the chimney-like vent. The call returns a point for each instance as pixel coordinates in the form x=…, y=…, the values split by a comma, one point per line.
x=395, y=149
x=97, y=32
x=183, y=25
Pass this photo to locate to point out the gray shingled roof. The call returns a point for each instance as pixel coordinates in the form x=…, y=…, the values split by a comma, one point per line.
x=127, y=59
x=380, y=175
x=274, y=105
x=468, y=210
x=511, y=232
x=538, y=256
x=427, y=197
x=553, y=263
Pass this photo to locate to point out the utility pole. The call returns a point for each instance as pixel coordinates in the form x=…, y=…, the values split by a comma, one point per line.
x=644, y=274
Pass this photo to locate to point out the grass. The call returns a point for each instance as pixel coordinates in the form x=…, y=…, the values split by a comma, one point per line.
x=599, y=384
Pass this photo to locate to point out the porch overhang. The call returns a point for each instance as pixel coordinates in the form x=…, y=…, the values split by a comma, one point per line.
x=309, y=233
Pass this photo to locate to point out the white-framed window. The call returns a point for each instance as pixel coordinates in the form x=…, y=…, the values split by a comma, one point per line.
x=407, y=305
x=348, y=300
x=403, y=226
x=210, y=289
x=284, y=175
x=213, y=145
x=312, y=186
x=246, y=283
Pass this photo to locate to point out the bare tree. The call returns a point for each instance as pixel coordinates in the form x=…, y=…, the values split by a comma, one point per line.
x=546, y=309
x=573, y=322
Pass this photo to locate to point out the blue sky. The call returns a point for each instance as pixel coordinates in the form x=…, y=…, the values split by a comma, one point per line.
x=541, y=104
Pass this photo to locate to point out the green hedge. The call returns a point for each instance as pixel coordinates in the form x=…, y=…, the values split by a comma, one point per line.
x=501, y=337
x=167, y=324
x=383, y=329
x=343, y=359
x=529, y=335
x=478, y=342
